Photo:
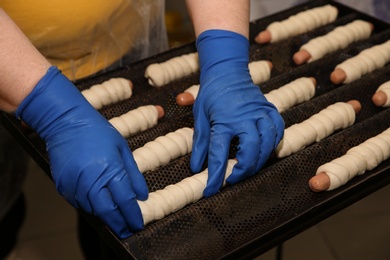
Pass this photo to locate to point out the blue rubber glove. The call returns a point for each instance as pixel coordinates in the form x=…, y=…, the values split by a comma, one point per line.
x=230, y=105
x=91, y=163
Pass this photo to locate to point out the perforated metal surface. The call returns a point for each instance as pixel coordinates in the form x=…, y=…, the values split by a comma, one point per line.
x=279, y=194
x=213, y=227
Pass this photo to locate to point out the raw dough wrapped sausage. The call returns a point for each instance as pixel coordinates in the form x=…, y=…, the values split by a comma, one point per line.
x=164, y=149
x=297, y=24
x=163, y=202
x=358, y=159
x=334, y=117
x=260, y=71
x=160, y=74
x=293, y=93
x=137, y=120
x=365, y=62
x=337, y=39
x=108, y=92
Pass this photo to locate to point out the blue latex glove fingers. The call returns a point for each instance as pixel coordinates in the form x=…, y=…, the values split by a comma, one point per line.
x=218, y=155
x=201, y=141
x=122, y=214
x=104, y=207
x=136, y=177
x=126, y=201
x=248, y=155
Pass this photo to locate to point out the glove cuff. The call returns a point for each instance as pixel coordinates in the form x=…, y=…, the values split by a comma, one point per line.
x=52, y=98
x=221, y=51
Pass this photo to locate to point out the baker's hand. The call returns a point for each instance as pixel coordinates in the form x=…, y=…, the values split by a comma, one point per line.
x=91, y=163
x=230, y=105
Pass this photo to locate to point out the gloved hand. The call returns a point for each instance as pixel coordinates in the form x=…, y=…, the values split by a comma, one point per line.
x=230, y=105
x=91, y=163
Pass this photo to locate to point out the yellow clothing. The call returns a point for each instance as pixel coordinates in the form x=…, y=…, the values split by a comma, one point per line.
x=84, y=37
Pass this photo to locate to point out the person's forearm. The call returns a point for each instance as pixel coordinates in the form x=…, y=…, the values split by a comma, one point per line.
x=232, y=15
x=21, y=65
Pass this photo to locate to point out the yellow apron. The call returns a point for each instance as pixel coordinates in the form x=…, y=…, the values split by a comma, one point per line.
x=83, y=37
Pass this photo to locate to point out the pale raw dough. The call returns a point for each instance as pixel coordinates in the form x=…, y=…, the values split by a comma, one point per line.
x=385, y=88
x=163, y=202
x=366, y=61
x=302, y=22
x=164, y=149
x=291, y=94
x=160, y=74
x=358, y=159
x=339, y=38
x=108, y=92
x=296, y=137
x=260, y=71
x=136, y=120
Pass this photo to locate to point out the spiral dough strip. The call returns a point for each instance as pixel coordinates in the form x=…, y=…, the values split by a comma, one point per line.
x=136, y=120
x=160, y=74
x=302, y=22
x=358, y=159
x=260, y=71
x=108, y=92
x=339, y=38
x=163, y=202
x=366, y=61
x=164, y=149
x=296, y=137
x=291, y=94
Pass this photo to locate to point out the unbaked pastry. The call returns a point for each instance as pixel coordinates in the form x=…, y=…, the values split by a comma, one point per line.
x=260, y=71
x=334, y=117
x=291, y=94
x=164, y=149
x=136, y=120
x=160, y=74
x=366, y=61
x=163, y=202
x=302, y=22
x=358, y=159
x=339, y=38
x=108, y=92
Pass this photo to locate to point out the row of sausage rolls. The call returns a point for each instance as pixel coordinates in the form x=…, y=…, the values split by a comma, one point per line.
x=285, y=97
x=118, y=89
x=175, y=144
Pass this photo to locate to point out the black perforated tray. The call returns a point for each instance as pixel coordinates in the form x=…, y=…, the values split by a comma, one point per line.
x=257, y=214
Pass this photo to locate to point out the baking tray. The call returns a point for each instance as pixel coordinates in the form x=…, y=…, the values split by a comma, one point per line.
x=257, y=214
